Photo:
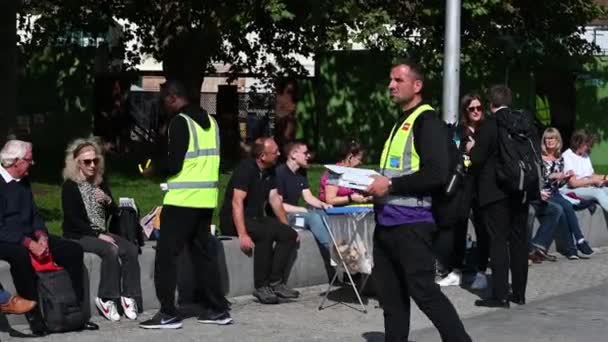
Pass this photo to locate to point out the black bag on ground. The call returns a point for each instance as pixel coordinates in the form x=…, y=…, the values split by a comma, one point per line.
x=126, y=224
x=58, y=302
x=519, y=161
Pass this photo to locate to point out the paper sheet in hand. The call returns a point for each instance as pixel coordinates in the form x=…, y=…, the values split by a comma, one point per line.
x=350, y=177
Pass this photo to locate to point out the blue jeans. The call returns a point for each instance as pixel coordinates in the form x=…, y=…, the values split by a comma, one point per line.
x=4, y=296
x=592, y=193
x=568, y=220
x=548, y=214
x=313, y=221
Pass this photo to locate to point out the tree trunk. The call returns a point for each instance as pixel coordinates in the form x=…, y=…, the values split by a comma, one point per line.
x=560, y=87
x=8, y=67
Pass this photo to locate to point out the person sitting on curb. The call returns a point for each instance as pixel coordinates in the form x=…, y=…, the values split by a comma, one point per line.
x=243, y=214
x=292, y=184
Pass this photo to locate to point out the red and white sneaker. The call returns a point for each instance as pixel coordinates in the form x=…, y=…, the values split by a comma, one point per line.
x=129, y=307
x=107, y=309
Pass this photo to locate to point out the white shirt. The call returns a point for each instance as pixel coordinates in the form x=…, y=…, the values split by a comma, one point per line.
x=7, y=176
x=580, y=165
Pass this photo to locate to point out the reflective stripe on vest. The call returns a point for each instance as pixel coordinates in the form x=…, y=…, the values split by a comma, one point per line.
x=399, y=158
x=196, y=185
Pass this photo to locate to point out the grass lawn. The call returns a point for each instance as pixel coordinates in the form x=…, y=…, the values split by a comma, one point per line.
x=146, y=193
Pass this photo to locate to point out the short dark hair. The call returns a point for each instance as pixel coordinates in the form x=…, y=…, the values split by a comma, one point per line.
x=350, y=146
x=284, y=82
x=173, y=87
x=500, y=95
x=258, y=147
x=291, y=146
x=580, y=137
x=415, y=68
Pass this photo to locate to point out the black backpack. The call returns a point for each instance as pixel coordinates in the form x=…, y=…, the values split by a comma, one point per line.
x=126, y=224
x=518, y=168
x=60, y=308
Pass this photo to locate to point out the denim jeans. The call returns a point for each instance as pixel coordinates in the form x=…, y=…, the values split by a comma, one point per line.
x=313, y=220
x=4, y=296
x=548, y=214
x=569, y=222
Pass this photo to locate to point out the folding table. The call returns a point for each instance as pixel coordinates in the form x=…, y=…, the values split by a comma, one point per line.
x=351, y=229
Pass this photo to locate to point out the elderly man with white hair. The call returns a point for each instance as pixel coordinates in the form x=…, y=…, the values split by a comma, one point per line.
x=23, y=234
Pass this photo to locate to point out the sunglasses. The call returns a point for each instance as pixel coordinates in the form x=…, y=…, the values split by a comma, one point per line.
x=28, y=160
x=88, y=162
x=474, y=109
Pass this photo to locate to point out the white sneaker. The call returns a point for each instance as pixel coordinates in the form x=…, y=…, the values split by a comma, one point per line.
x=480, y=282
x=107, y=309
x=129, y=307
x=452, y=279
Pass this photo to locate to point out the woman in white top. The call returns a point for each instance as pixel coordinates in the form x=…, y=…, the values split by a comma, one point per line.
x=585, y=183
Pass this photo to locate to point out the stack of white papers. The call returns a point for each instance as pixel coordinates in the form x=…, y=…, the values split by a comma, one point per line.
x=127, y=202
x=350, y=177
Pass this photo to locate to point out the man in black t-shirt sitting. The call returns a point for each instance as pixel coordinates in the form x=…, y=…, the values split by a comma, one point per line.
x=243, y=214
x=293, y=185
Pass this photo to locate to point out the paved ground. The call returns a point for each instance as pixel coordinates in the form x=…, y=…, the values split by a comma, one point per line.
x=566, y=302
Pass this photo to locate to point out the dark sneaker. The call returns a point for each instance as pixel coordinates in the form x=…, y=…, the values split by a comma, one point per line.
x=584, y=248
x=572, y=257
x=282, y=291
x=162, y=321
x=212, y=317
x=265, y=295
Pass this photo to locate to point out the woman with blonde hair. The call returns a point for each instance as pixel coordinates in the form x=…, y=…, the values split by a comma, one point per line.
x=565, y=218
x=87, y=207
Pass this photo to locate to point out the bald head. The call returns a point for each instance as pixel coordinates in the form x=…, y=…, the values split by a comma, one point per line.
x=266, y=152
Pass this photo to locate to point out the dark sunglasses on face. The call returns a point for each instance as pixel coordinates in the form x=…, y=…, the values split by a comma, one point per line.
x=88, y=162
x=474, y=109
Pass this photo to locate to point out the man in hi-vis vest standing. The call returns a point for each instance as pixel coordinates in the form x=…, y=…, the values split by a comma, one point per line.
x=193, y=162
x=414, y=165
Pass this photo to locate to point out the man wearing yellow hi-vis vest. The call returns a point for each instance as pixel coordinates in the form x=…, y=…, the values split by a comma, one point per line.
x=193, y=162
x=414, y=164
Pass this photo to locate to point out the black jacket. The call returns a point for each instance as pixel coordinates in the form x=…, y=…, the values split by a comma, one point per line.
x=76, y=223
x=484, y=158
x=19, y=217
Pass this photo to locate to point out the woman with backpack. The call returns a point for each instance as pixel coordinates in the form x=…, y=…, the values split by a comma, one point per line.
x=472, y=115
x=87, y=207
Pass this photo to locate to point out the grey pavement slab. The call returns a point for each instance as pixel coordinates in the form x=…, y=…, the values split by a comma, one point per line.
x=302, y=321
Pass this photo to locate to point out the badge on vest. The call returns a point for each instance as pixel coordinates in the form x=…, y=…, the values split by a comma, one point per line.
x=394, y=162
x=406, y=126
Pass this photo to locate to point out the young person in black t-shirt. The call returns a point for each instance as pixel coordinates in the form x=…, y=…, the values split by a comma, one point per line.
x=293, y=185
x=251, y=187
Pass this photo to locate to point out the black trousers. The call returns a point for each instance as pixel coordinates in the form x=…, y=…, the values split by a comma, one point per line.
x=120, y=272
x=507, y=227
x=182, y=226
x=270, y=263
x=66, y=253
x=404, y=267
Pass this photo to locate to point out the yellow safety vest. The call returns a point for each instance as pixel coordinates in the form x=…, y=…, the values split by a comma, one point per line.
x=399, y=158
x=196, y=185
x=543, y=111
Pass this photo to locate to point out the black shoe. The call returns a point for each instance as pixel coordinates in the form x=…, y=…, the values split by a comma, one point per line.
x=90, y=326
x=493, y=303
x=212, y=317
x=585, y=248
x=519, y=300
x=282, y=291
x=36, y=322
x=162, y=321
x=265, y=295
